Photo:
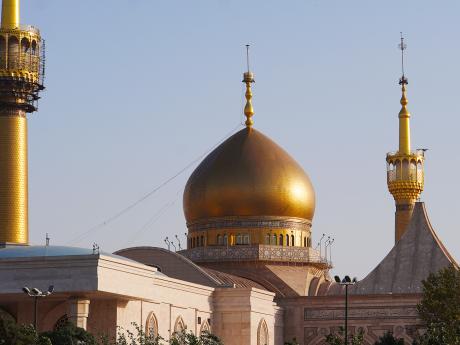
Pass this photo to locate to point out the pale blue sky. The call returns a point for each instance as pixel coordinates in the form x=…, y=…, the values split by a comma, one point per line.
x=138, y=89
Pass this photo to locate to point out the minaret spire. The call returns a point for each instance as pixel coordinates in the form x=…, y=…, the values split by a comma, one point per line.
x=404, y=115
x=405, y=175
x=248, y=79
x=10, y=14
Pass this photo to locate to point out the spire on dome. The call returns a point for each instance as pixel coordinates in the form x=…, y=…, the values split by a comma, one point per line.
x=10, y=14
x=404, y=115
x=248, y=79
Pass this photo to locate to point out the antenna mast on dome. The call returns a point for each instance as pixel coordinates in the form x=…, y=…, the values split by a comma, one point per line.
x=402, y=46
x=248, y=79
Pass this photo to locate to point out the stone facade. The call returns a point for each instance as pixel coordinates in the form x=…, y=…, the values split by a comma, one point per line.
x=312, y=318
x=101, y=292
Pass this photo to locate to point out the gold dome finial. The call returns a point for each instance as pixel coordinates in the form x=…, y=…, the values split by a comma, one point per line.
x=248, y=79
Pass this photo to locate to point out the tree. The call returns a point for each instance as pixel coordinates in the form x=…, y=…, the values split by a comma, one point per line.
x=337, y=339
x=389, y=339
x=137, y=338
x=69, y=334
x=440, y=308
x=13, y=334
x=188, y=338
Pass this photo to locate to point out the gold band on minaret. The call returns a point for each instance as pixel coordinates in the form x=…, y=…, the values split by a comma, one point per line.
x=21, y=80
x=10, y=14
x=405, y=172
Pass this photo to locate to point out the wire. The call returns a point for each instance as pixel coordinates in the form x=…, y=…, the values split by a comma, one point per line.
x=146, y=196
x=151, y=221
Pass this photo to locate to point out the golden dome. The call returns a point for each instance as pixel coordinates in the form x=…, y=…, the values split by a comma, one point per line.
x=248, y=175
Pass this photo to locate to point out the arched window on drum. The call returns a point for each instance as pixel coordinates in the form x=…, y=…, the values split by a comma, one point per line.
x=13, y=53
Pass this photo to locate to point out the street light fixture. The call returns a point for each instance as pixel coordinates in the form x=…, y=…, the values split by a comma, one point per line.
x=347, y=282
x=36, y=294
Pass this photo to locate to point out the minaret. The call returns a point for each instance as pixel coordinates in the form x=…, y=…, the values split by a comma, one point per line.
x=21, y=80
x=405, y=175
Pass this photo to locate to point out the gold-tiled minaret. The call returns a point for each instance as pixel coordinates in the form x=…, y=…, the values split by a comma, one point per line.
x=21, y=80
x=405, y=174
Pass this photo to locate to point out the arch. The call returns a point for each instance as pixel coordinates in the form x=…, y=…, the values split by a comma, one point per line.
x=281, y=240
x=405, y=169
x=179, y=325
x=274, y=239
x=25, y=45
x=304, y=241
x=151, y=325
x=239, y=239
x=13, y=52
x=225, y=240
x=398, y=169
x=219, y=240
x=419, y=171
x=61, y=322
x=262, y=333
x=292, y=240
x=202, y=241
x=34, y=47
x=205, y=327
x=309, y=242
x=287, y=240
x=246, y=239
x=267, y=239
x=193, y=242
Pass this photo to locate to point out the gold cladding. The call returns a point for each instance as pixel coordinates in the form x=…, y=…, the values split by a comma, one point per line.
x=13, y=180
x=248, y=175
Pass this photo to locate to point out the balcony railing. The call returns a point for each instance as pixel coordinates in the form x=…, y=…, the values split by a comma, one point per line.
x=257, y=252
x=26, y=28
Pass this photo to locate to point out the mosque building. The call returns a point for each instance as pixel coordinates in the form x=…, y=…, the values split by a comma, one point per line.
x=249, y=273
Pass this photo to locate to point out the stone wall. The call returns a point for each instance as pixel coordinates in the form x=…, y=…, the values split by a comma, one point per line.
x=310, y=319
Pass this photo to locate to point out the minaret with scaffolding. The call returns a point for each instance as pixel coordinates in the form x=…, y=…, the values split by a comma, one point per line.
x=21, y=80
x=405, y=173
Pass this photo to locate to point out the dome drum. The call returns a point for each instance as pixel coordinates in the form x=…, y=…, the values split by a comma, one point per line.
x=250, y=222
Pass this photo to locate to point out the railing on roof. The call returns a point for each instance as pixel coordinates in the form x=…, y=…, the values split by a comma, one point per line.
x=256, y=252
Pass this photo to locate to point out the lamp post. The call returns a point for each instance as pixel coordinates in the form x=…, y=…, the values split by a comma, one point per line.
x=347, y=282
x=36, y=294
